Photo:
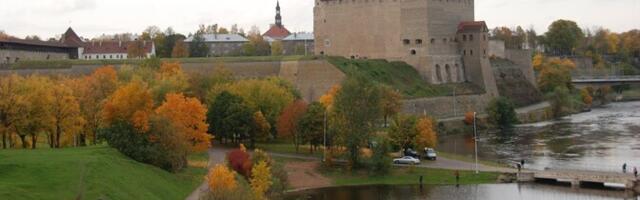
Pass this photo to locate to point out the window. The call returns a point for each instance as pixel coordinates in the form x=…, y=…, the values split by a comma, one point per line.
x=438, y=76
x=447, y=69
x=418, y=41
x=464, y=37
x=471, y=52
x=470, y=37
x=413, y=52
x=406, y=41
x=444, y=40
x=464, y=52
x=433, y=40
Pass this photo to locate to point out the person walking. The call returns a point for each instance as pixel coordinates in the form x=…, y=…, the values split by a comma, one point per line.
x=624, y=168
x=519, y=167
x=457, y=174
x=522, y=163
x=635, y=172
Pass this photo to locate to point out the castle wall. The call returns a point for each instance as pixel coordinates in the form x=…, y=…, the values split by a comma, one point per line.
x=496, y=48
x=447, y=106
x=523, y=59
x=10, y=56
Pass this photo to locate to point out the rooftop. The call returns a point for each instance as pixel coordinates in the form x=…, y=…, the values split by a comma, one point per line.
x=277, y=32
x=471, y=26
x=104, y=47
x=34, y=42
x=299, y=36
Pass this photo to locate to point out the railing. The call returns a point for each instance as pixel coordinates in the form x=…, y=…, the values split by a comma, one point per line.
x=607, y=78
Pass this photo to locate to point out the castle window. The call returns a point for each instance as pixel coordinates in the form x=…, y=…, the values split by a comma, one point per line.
x=447, y=69
x=406, y=41
x=413, y=52
x=438, y=75
x=444, y=40
x=464, y=37
x=485, y=52
x=433, y=40
x=471, y=52
x=419, y=41
x=464, y=52
x=470, y=37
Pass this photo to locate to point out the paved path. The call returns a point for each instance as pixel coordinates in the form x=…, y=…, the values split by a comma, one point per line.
x=216, y=156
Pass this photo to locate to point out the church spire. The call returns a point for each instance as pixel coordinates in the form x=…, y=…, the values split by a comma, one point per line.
x=278, y=17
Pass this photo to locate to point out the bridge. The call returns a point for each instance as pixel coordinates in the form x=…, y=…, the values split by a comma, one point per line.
x=578, y=178
x=585, y=81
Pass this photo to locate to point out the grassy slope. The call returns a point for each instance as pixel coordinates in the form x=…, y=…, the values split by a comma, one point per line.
x=88, y=173
x=400, y=76
x=403, y=176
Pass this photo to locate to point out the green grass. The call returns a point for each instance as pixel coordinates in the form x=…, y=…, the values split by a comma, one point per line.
x=288, y=148
x=97, y=172
x=471, y=159
x=400, y=76
x=61, y=64
x=405, y=176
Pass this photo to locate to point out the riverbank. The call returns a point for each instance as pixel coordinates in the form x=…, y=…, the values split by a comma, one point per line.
x=408, y=176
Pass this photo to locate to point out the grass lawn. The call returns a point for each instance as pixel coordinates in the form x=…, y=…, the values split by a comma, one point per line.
x=97, y=172
x=405, y=176
x=61, y=64
x=400, y=76
x=288, y=148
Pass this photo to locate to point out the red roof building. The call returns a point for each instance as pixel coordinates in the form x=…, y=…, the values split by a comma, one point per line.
x=277, y=30
x=472, y=26
x=104, y=49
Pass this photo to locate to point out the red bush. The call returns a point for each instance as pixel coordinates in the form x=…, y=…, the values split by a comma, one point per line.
x=240, y=162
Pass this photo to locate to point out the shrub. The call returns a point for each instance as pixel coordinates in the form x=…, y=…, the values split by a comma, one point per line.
x=261, y=180
x=239, y=161
x=221, y=180
x=502, y=112
x=381, y=162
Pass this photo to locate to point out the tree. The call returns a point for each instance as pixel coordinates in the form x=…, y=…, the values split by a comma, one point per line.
x=34, y=110
x=256, y=46
x=91, y=92
x=168, y=79
x=391, y=102
x=221, y=181
x=9, y=99
x=198, y=47
x=502, y=112
x=228, y=117
x=276, y=48
x=426, y=134
x=402, y=132
x=381, y=162
x=311, y=125
x=469, y=118
x=261, y=180
x=188, y=116
x=587, y=99
x=560, y=100
x=136, y=49
x=269, y=96
x=563, y=37
x=66, y=114
x=552, y=73
x=239, y=160
x=287, y=124
x=179, y=50
x=357, y=108
x=328, y=99
x=260, y=129
x=131, y=103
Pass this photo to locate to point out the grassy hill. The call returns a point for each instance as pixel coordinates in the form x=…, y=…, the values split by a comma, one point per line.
x=89, y=173
x=400, y=76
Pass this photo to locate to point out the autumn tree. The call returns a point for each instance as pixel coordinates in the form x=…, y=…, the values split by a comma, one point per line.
x=553, y=72
x=426, y=133
x=587, y=99
x=239, y=160
x=130, y=103
x=209, y=86
x=221, y=181
x=260, y=128
x=287, y=125
x=92, y=92
x=469, y=118
x=328, y=99
x=261, y=180
x=311, y=125
x=256, y=46
x=179, y=50
x=357, y=108
x=188, y=116
x=169, y=78
x=9, y=97
x=402, y=132
x=34, y=110
x=67, y=118
x=563, y=37
x=391, y=102
x=269, y=96
x=136, y=49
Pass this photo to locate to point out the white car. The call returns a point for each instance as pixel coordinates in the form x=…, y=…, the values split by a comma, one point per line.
x=406, y=160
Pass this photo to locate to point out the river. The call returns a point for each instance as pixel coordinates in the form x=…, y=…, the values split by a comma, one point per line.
x=602, y=140
x=466, y=192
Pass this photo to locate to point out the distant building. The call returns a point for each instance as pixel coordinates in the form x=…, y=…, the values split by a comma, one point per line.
x=277, y=31
x=104, y=50
x=222, y=44
x=298, y=44
x=13, y=50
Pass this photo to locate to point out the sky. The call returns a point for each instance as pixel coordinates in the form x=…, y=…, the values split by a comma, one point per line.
x=91, y=18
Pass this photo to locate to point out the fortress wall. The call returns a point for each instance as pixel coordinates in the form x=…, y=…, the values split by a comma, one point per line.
x=29, y=55
x=523, y=59
x=312, y=78
x=496, y=48
x=443, y=107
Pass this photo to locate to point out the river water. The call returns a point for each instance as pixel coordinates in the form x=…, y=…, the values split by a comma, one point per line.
x=603, y=140
x=466, y=192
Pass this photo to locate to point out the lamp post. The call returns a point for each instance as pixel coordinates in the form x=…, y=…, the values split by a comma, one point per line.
x=475, y=139
x=324, y=155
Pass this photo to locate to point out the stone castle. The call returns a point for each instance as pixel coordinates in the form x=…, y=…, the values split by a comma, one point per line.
x=440, y=38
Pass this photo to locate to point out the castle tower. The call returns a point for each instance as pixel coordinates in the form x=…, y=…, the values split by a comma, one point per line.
x=278, y=17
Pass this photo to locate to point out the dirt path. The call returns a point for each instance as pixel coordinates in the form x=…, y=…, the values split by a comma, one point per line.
x=304, y=175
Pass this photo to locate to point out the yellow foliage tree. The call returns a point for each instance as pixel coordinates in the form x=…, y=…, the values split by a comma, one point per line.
x=188, y=116
x=92, y=92
x=553, y=73
x=221, y=180
x=260, y=128
x=426, y=136
x=261, y=180
x=328, y=99
x=66, y=114
x=9, y=98
x=586, y=97
x=179, y=50
x=169, y=79
x=34, y=110
x=132, y=103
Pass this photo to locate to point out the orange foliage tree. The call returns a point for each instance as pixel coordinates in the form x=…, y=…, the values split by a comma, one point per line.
x=66, y=114
x=288, y=121
x=132, y=103
x=328, y=99
x=468, y=118
x=426, y=136
x=92, y=92
x=188, y=116
x=221, y=180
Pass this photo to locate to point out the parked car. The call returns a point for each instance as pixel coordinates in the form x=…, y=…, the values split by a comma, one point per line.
x=406, y=160
x=430, y=154
x=411, y=152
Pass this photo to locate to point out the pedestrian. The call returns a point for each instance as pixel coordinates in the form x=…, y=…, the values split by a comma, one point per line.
x=635, y=172
x=624, y=168
x=522, y=163
x=457, y=174
x=519, y=166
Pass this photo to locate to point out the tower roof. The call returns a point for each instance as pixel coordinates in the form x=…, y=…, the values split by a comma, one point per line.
x=277, y=32
x=70, y=38
x=472, y=26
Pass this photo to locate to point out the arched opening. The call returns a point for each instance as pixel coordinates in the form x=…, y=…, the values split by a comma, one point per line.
x=438, y=75
x=447, y=69
x=413, y=52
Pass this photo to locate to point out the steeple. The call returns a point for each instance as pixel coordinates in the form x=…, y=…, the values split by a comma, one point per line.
x=278, y=17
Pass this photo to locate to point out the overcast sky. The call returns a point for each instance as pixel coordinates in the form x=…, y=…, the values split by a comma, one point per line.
x=90, y=18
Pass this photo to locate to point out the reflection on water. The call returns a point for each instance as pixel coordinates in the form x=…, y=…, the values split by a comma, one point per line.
x=467, y=192
x=602, y=139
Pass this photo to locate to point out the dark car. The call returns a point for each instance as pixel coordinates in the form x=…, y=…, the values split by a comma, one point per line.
x=412, y=153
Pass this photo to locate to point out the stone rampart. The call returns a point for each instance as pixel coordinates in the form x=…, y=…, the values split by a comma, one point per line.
x=11, y=56
x=447, y=106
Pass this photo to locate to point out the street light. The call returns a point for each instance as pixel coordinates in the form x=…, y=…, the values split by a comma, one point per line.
x=324, y=155
x=475, y=139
